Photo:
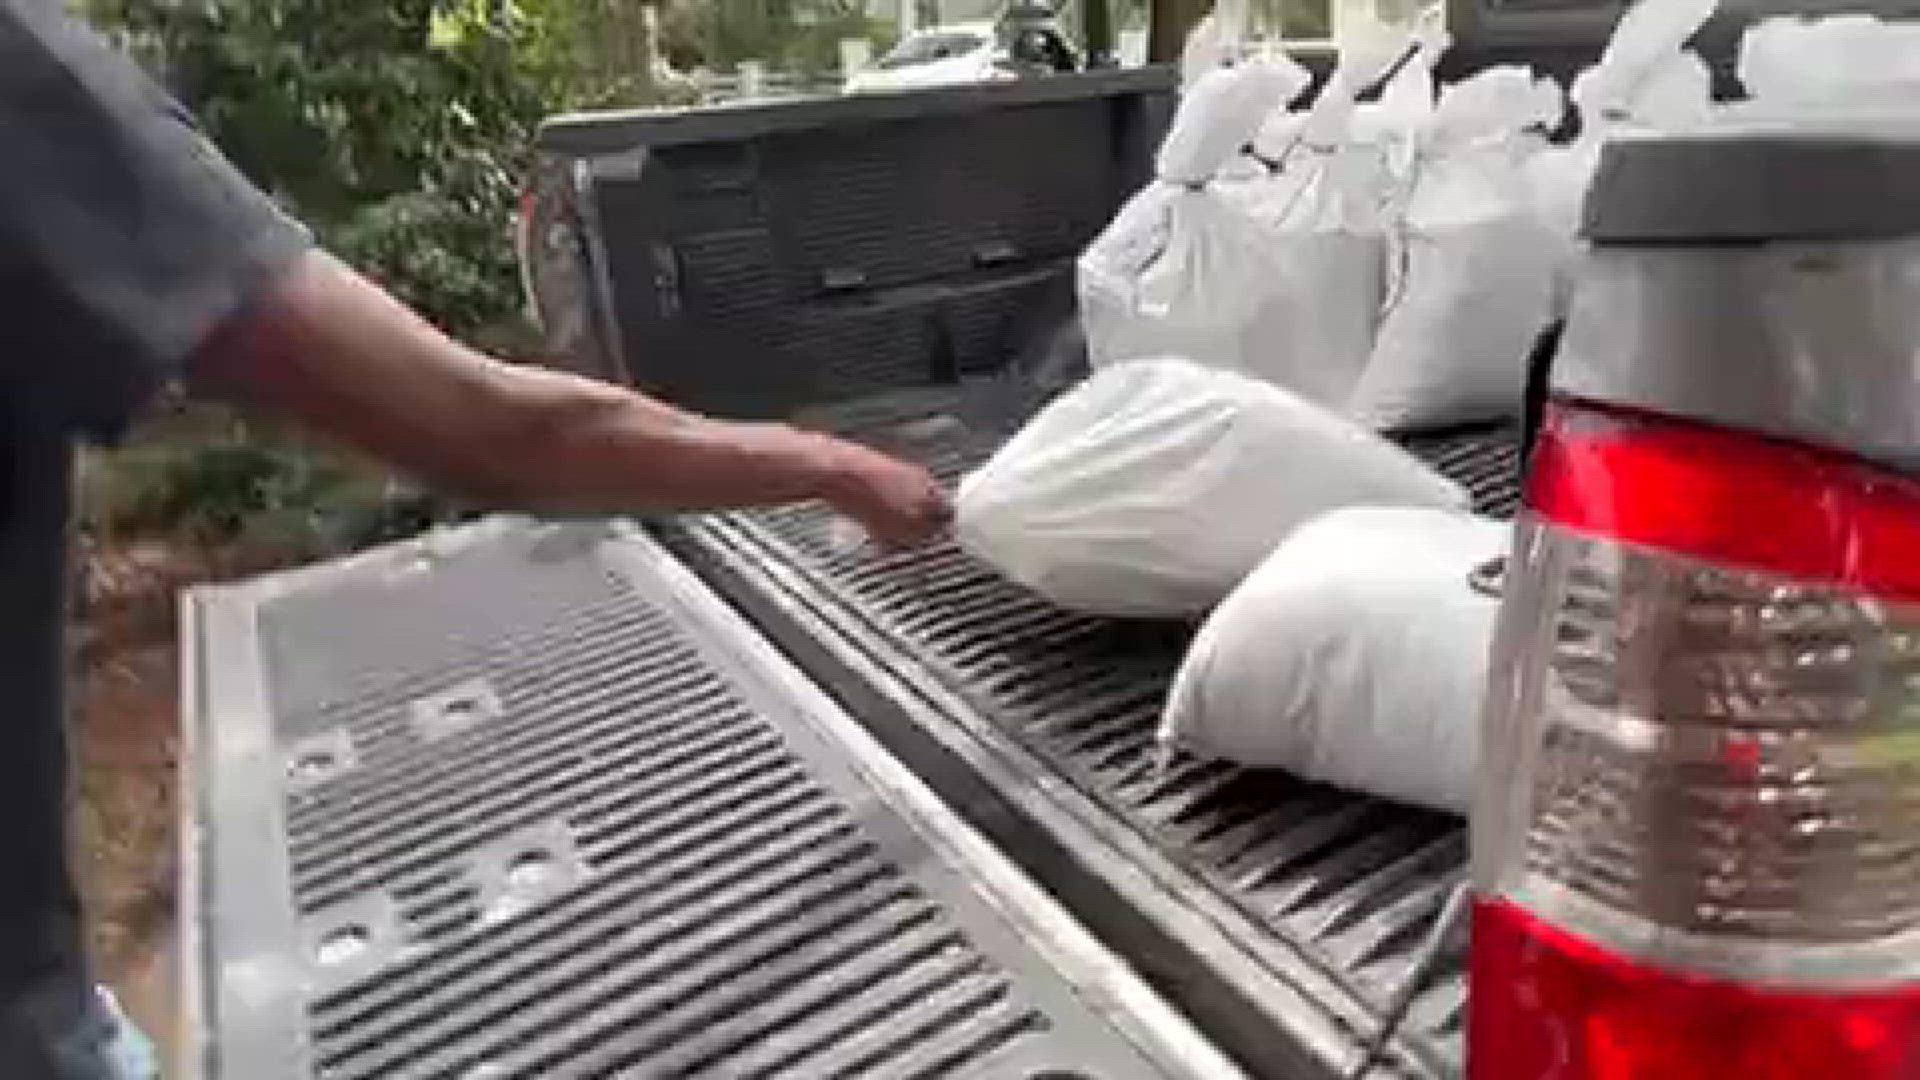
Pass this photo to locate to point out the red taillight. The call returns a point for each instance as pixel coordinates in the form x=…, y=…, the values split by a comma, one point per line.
x=1697, y=841
x=1730, y=497
x=1549, y=1004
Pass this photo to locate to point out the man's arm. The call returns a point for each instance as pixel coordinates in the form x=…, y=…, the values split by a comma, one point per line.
x=131, y=250
x=329, y=348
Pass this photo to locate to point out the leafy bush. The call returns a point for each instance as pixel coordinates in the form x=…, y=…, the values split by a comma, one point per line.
x=398, y=130
x=395, y=128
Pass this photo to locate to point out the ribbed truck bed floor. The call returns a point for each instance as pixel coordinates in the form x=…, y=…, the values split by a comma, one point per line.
x=524, y=800
x=1284, y=915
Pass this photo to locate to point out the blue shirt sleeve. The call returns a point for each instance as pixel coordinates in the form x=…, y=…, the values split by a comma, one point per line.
x=125, y=237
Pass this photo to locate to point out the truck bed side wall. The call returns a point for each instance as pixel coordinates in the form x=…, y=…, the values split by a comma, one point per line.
x=762, y=260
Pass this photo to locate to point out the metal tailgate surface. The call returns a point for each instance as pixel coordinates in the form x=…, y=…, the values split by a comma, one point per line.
x=528, y=800
x=1284, y=915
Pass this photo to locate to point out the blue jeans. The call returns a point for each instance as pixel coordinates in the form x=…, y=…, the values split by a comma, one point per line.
x=120, y=1051
x=63, y=1033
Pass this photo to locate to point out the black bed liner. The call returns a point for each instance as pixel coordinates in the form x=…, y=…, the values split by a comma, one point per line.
x=1283, y=915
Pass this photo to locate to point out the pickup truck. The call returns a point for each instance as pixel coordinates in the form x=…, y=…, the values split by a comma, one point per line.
x=730, y=795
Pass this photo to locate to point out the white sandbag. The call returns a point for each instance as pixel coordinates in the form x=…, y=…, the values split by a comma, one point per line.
x=1470, y=264
x=1156, y=486
x=1323, y=275
x=1181, y=270
x=1333, y=163
x=1393, y=126
x=1646, y=80
x=1210, y=46
x=1218, y=40
x=1366, y=51
x=1355, y=655
x=1323, y=221
x=1846, y=68
x=1216, y=117
x=1233, y=33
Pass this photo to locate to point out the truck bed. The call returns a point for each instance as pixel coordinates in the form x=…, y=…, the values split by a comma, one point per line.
x=722, y=797
x=1284, y=915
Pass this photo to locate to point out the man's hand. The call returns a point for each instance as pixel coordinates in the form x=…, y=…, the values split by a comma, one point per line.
x=332, y=350
x=899, y=504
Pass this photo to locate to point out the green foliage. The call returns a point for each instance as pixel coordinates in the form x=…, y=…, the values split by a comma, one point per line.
x=453, y=265
x=399, y=131
x=395, y=128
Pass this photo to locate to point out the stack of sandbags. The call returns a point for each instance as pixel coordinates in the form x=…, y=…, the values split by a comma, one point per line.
x=1322, y=270
x=1271, y=274
x=1394, y=260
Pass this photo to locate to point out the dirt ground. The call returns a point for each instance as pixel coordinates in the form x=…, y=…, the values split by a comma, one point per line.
x=126, y=746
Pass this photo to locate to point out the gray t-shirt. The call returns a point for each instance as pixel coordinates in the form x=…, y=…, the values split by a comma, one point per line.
x=125, y=239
